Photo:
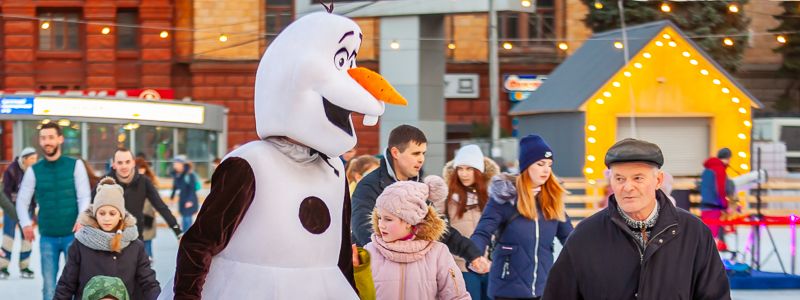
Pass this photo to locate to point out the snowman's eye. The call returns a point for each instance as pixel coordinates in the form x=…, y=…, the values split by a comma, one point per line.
x=341, y=58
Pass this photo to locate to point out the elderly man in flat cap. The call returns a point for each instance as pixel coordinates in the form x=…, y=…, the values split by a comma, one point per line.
x=640, y=246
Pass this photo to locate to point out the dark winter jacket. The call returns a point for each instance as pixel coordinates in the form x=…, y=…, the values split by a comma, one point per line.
x=523, y=254
x=131, y=264
x=139, y=189
x=9, y=209
x=185, y=184
x=12, y=178
x=601, y=259
x=363, y=202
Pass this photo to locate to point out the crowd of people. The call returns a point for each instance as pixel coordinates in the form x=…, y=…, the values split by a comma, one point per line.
x=103, y=225
x=472, y=233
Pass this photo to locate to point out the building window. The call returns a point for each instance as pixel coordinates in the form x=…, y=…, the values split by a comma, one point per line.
x=536, y=29
x=279, y=14
x=127, y=36
x=59, y=31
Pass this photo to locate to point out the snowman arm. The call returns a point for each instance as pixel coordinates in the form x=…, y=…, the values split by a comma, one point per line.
x=233, y=188
x=346, y=251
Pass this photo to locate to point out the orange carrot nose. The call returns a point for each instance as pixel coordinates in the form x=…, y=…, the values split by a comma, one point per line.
x=376, y=85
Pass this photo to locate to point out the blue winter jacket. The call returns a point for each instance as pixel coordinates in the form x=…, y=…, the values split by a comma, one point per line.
x=185, y=185
x=525, y=247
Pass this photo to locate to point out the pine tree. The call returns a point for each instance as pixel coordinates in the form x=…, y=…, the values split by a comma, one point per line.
x=695, y=18
x=790, y=22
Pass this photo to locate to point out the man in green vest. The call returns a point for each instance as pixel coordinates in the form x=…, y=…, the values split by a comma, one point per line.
x=61, y=187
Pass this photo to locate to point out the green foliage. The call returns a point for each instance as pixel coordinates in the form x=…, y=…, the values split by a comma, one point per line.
x=695, y=18
x=790, y=23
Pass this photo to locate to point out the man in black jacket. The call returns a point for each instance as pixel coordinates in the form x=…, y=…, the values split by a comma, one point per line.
x=403, y=160
x=640, y=246
x=137, y=189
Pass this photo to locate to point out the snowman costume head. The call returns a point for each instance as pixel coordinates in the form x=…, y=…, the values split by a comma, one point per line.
x=309, y=98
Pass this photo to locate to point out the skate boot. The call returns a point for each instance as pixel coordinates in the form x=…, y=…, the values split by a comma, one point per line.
x=26, y=273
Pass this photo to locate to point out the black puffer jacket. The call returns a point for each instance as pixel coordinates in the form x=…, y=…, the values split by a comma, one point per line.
x=363, y=202
x=139, y=190
x=601, y=259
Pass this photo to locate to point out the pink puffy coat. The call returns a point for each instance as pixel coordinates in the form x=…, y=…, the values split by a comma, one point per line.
x=415, y=269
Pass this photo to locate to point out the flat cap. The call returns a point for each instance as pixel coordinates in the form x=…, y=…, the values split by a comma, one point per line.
x=633, y=150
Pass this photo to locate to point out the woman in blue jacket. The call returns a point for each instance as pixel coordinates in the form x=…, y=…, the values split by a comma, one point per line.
x=526, y=214
x=186, y=184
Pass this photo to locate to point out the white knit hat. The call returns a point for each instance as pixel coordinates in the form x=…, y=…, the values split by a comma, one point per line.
x=109, y=193
x=471, y=156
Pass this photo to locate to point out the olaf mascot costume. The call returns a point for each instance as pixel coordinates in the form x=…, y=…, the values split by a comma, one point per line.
x=276, y=224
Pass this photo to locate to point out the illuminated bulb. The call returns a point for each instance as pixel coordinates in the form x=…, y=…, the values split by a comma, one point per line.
x=725, y=90
x=704, y=72
x=744, y=166
x=735, y=100
x=223, y=38
x=164, y=34
x=592, y=128
x=716, y=81
x=563, y=46
x=727, y=42
x=693, y=62
x=742, y=136
x=666, y=36
x=589, y=170
x=637, y=65
x=618, y=45
x=592, y=181
x=647, y=55
x=781, y=39
x=665, y=7
x=508, y=46
x=592, y=140
x=607, y=94
x=659, y=43
x=45, y=25
x=616, y=84
x=590, y=158
x=105, y=30
x=742, y=110
x=742, y=154
x=673, y=44
x=598, y=4
x=599, y=101
x=733, y=8
x=394, y=45
x=451, y=46
x=627, y=74
x=747, y=124
x=525, y=3
x=686, y=54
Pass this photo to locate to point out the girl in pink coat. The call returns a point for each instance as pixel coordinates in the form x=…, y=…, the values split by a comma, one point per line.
x=407, y=260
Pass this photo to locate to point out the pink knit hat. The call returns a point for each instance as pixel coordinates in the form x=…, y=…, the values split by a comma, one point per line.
x=407, y=199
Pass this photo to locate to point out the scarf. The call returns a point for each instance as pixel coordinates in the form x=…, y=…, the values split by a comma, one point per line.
x=100, y=240
x=641, y=229
x=402, y=251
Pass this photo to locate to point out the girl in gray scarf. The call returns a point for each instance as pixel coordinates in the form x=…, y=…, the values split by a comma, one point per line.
x=107, y=244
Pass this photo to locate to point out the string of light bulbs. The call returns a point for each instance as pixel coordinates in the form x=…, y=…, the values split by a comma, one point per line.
x=561, y=43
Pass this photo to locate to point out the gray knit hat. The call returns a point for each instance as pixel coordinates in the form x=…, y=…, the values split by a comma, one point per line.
x=28, y=151
x=109, y=193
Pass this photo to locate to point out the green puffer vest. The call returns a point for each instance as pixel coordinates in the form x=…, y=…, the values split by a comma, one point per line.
x=55, y=192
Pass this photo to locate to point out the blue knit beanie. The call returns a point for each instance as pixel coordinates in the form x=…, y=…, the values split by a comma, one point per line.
x=532, y=148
